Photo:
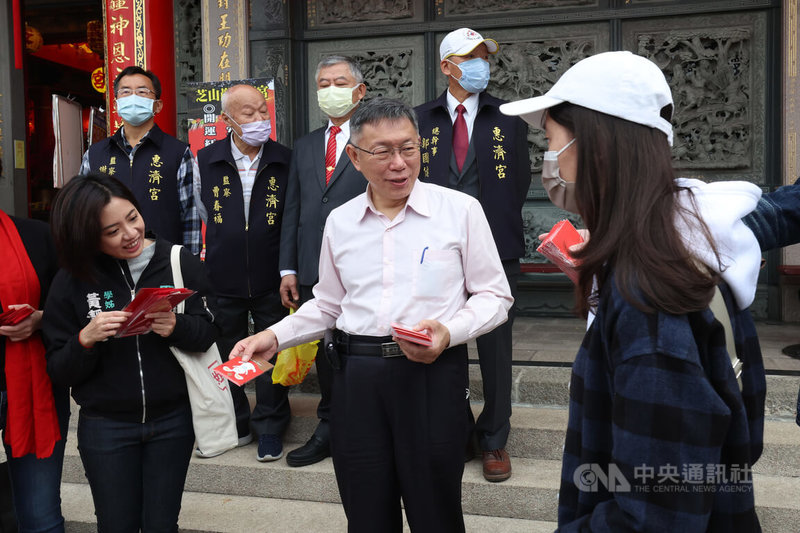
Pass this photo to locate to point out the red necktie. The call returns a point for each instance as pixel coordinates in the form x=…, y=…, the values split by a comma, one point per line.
x=330, y=154
x=460, y=137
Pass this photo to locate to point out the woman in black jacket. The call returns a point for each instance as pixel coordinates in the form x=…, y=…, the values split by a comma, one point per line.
x=135, y=432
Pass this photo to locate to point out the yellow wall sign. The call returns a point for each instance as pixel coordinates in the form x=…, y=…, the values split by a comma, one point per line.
x=19, y=154
x=99, y=80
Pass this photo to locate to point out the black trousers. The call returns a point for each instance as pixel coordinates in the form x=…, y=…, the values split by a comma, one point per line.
x=494, y=356
x=276, y=409
x=399, y=432
x=232, y=320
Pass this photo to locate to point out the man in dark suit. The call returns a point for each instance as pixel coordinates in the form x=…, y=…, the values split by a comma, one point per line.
x=321, y=178
x=468, y=145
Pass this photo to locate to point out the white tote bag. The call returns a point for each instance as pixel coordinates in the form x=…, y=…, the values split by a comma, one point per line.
x=213, y=417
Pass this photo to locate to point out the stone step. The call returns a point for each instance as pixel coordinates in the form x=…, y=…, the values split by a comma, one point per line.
x=222, y=513
x=531, y=493
x=549, y=385
x=538, y=433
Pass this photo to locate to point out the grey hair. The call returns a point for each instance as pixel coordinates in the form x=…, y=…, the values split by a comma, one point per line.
x=377, y=110
x=223, y=102
x=352, y=64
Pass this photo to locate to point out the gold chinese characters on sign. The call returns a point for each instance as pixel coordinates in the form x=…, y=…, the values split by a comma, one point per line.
x=497, y=150
x=224, y=40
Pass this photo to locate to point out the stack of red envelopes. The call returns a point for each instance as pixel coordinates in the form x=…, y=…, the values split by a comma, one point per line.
x=15, y=316
x=150, y=300
x=556, y=246
x=407, y=334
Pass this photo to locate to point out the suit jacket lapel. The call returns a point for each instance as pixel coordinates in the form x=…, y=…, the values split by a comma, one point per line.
x=318, y=159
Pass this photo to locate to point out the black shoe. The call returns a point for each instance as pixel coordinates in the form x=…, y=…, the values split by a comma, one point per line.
x=313, y=451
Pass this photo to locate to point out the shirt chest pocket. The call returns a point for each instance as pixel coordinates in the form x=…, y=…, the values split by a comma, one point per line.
x=437, y=272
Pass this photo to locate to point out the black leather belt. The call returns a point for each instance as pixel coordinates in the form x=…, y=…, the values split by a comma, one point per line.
x=366, y=345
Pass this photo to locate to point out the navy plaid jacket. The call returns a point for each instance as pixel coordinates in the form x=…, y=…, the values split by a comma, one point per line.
x=660, y=438
x=776, y=219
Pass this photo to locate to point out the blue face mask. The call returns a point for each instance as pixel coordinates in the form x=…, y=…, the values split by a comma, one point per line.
x=135, y=109
x=474, y=75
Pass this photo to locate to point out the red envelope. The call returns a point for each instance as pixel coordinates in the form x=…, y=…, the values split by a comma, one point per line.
x=556, y=245
x=240, y=372
x=150, y=300
x=15, y=316
x=410, y=335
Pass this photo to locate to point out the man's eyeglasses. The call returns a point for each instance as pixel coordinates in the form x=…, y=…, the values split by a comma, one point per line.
x=141, y=91
x=407, y=151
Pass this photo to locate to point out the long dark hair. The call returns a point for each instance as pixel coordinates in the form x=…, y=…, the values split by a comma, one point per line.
x=75, y=220
x=626, y=193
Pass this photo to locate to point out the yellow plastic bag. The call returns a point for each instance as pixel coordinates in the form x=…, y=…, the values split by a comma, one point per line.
x=293, y=364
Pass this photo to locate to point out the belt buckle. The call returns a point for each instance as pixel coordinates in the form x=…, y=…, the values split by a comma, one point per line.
x=391, y=349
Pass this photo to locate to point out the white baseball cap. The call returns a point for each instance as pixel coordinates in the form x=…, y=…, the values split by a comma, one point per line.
x=620, y=84
x=463, y=41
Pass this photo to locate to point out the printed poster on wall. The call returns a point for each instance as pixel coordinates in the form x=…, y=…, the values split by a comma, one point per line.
x=205, y=106
x=68, y=130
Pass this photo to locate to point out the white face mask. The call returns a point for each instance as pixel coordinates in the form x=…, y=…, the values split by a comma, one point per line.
x=336, y=101
x=560, y=192
x=254, y=133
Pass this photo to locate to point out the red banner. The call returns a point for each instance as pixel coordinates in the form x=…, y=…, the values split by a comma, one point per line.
x=140, y=32
x=17, y=21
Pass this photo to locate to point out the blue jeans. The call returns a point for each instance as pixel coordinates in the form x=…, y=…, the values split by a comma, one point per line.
x=36, y=483
x=136, y=471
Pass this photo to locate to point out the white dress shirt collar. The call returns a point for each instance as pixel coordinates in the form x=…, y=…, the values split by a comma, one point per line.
x=470, y=105
x=341, y=138
x=417, y=200
x=345, y=130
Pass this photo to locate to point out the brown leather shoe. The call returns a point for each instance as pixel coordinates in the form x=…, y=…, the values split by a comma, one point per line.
x=496, y=465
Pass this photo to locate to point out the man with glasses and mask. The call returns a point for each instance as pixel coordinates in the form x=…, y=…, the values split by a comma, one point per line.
x=402, y=252
x=469, y=146
x=321, y=178
x=155, y=166
x=240, y=190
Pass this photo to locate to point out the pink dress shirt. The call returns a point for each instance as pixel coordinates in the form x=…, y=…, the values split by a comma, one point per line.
x=436, y=260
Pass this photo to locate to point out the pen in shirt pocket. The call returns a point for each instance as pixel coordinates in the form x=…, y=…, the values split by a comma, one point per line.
x=422, y=257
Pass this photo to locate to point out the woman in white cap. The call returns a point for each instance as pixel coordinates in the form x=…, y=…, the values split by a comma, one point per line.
x=664, y=422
